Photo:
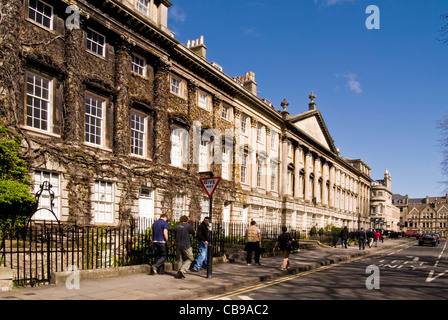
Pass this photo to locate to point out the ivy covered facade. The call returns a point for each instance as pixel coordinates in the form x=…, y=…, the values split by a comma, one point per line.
x=124, y=120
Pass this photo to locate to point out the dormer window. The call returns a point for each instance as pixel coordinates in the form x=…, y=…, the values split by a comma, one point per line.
x=142, y=6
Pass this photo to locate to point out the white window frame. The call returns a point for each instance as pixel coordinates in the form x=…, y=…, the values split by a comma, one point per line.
x=176, y=86
x=274, y=168
x=95, y=43
x=139, y=65
x=274, y=139
x=225, y=112
x=96, y=122
x=260, y=169
x=143, y=6
x=244, y=168
x=179, y=206
x=203, y=156
x=260, y=131
x=103, y=201
x=203, y=99
x=55, y=182
x=244, y=124
x=138, y=134
x=225, y=171
x=40, y=14
x=39, y=96
x=179, y=146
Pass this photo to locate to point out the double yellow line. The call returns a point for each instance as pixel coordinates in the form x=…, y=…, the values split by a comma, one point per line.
x=269, y=283
x=291, y=277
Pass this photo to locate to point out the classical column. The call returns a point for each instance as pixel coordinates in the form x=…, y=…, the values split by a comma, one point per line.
x=284, y=166
x=162, y=144
x=324, y=185
x=297, y=168
x=237, y=145
x=123, y=66
x=332, y=181
x=74, y=105
x=10, y=62
x=317, y=175
x=195, y=132
x=216, y=104
x=308, y=191
x=253, y=154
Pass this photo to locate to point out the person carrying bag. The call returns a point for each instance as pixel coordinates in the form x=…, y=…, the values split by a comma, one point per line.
x=286, y=243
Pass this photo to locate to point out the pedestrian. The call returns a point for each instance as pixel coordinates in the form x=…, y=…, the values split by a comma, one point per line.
x=370, y=237
x=253, y=239
x=184, y=252
x=160, y=243
x=283, y=240
x=345, y=236
x=362, y=239
x=377, y=237
x=203, y=241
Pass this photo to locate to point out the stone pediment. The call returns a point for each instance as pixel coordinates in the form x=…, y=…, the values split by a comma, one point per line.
x=312, y=124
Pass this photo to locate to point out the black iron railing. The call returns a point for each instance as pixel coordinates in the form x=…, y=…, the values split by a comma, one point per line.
x=43, y=247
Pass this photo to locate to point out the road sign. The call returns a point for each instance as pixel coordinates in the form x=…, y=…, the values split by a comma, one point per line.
x=209, y=185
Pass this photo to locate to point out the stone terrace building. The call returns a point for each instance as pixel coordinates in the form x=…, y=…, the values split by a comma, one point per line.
x=121, y=118
x=428, y=214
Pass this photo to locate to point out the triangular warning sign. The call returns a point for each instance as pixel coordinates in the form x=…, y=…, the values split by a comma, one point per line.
x=209, y=185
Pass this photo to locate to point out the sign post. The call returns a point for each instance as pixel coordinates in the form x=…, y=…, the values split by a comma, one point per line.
x=209, y=185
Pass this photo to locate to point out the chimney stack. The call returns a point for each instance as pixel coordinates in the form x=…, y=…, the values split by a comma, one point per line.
x=249, y=83
x=198, y=47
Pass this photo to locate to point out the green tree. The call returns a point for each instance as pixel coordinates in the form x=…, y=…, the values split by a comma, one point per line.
x=16, y=201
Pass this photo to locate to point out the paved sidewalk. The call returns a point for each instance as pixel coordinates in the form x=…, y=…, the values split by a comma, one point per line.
x=226, y=276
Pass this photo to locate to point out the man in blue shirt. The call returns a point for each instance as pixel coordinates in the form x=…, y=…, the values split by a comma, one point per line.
x=160, y=243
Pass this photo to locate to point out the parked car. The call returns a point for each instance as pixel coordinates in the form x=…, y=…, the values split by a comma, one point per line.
x=415, y=234
x=437, y=235
x=429, y=238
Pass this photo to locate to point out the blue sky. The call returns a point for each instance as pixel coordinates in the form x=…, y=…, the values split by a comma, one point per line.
x=381, y=92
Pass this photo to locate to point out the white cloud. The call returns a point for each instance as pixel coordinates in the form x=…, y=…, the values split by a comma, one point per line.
x=177, y=14
x=327, y=3
x=352, y=81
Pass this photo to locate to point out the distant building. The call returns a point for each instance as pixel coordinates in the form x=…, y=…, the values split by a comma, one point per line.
x=383, y=213
x=428, y=214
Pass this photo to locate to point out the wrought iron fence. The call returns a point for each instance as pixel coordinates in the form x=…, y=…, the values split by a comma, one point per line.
x=44, y=247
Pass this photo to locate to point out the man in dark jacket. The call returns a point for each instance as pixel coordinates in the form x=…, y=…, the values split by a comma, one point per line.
x=362, y=239
x=203, y=240
x=345, y=236
x=184, y=253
